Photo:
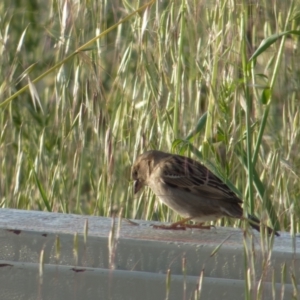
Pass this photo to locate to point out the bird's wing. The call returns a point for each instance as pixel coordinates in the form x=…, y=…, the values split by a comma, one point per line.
x=187, y=174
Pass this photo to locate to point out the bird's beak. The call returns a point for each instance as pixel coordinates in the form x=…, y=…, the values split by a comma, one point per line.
x=137, y=185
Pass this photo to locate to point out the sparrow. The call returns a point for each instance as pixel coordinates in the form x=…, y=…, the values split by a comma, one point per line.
x=189, y=188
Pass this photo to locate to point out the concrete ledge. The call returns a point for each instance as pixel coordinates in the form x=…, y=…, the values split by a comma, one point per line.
x=141, y=256
x=22, y=281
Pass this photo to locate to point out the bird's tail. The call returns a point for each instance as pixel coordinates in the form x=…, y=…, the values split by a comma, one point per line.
x=255, y=223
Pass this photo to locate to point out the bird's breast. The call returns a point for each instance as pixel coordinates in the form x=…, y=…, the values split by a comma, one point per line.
x=187, y=204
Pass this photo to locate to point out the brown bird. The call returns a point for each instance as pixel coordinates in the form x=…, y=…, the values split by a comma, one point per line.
x=189, y=188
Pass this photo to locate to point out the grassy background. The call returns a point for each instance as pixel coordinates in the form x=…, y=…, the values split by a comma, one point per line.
x=176, y=78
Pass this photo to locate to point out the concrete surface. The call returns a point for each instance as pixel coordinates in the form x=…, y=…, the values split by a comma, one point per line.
x=50, y=256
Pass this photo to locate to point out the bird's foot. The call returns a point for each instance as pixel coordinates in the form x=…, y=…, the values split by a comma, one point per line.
x=173, y=226
x=181, y=225
x=199, y=226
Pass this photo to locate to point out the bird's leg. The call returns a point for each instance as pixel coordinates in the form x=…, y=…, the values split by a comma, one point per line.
x=199, y=225
x=180, y=225
x=174, y=226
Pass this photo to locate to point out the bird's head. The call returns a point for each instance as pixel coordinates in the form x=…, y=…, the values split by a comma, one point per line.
x=143, y=166
x=140, y=172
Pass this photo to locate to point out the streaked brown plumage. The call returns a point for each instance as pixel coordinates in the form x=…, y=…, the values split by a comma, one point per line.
x=187, y=187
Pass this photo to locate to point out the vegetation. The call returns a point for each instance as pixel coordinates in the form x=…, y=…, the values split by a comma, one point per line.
x=82, y=96
x=182, y=77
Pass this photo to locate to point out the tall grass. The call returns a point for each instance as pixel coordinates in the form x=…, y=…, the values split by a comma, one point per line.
x=176, y=77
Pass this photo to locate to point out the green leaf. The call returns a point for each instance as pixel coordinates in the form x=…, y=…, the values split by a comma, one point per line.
x=176, y=143
x=267, y=203
x=267, y=42
x=200, y=125
x=265, y=96
x=42, y=192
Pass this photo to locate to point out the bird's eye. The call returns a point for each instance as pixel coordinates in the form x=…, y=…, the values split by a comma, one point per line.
x=135, y=174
